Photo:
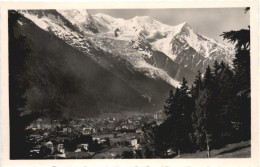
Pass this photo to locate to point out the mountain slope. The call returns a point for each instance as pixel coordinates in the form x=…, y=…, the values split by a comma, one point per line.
x=144, y=55
x=98, y=90
x=90, y=43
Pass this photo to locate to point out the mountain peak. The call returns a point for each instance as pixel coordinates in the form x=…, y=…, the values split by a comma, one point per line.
x=142, y=18
x=76, y=15
x=184, y=25
x=81, y=18
x=104, y=16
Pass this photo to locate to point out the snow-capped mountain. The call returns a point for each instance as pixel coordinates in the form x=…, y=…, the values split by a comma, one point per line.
x=147, y=55
x=81, y=19
x=120, y=49
x=180, y=43
x=122, y=37
x=89, y=87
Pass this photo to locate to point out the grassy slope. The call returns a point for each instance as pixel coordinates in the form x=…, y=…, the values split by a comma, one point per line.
x=235, y=150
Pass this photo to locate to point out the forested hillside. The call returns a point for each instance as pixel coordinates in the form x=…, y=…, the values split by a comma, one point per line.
x=213, y=112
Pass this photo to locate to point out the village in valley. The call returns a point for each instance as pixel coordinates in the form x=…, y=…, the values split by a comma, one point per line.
x=109, y=137
x=129, y=84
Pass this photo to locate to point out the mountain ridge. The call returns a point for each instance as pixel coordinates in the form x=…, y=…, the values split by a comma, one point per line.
x=161, y=37
x=148, y=56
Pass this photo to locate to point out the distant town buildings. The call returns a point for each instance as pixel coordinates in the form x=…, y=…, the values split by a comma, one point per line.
x=159, y=117
x=105, y=133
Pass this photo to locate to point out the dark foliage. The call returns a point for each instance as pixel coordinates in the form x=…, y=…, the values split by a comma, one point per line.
x=44, y=152
x=215, y=111
x=18, y=80
x=128, y=155
x=71, y=145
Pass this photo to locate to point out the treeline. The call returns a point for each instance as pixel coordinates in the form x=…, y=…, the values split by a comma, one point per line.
x=210, y=114
x=215, y=110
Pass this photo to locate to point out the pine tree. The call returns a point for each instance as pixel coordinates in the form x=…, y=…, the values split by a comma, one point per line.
x=184, y=87
x=216, y=77
x=175, y=132
x=216, y=68
x=198, y=85
x=241, y=65
x=168, y=107
x=225, y=99
x=183, y=116
x=204, y=125
x=208, y=78
x=187, y=104
x=209, y=106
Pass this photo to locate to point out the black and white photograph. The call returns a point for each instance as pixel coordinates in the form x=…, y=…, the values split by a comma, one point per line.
x=151, y=83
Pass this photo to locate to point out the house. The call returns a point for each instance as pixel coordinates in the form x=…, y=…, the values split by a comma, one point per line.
x=61, y=155
x=36, y=149
x=67, y=129
x=102, y=141
x=110, y=120
x=97, y=139
x=57, y=123
x=117, y=128
x=124, y=127
x=131, y=127
x=94, y=130
x=46, y=134
x=33, y=128
x=136, y=123
x=129, y=121
x=170, y=152
x=159, y=115
x=60, y=139
x=43, y=124
x=139, y=131
x=86, y=130
x=60, y=147
x=36, y=136
x=83, y=146
x=159, y=121
x=101, y=129
x=49, y=145
x=135, y=142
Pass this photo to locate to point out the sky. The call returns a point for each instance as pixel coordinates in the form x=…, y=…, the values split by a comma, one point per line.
x=210, y=22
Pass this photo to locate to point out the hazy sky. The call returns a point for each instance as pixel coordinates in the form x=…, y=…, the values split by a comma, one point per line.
x=210, y=21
